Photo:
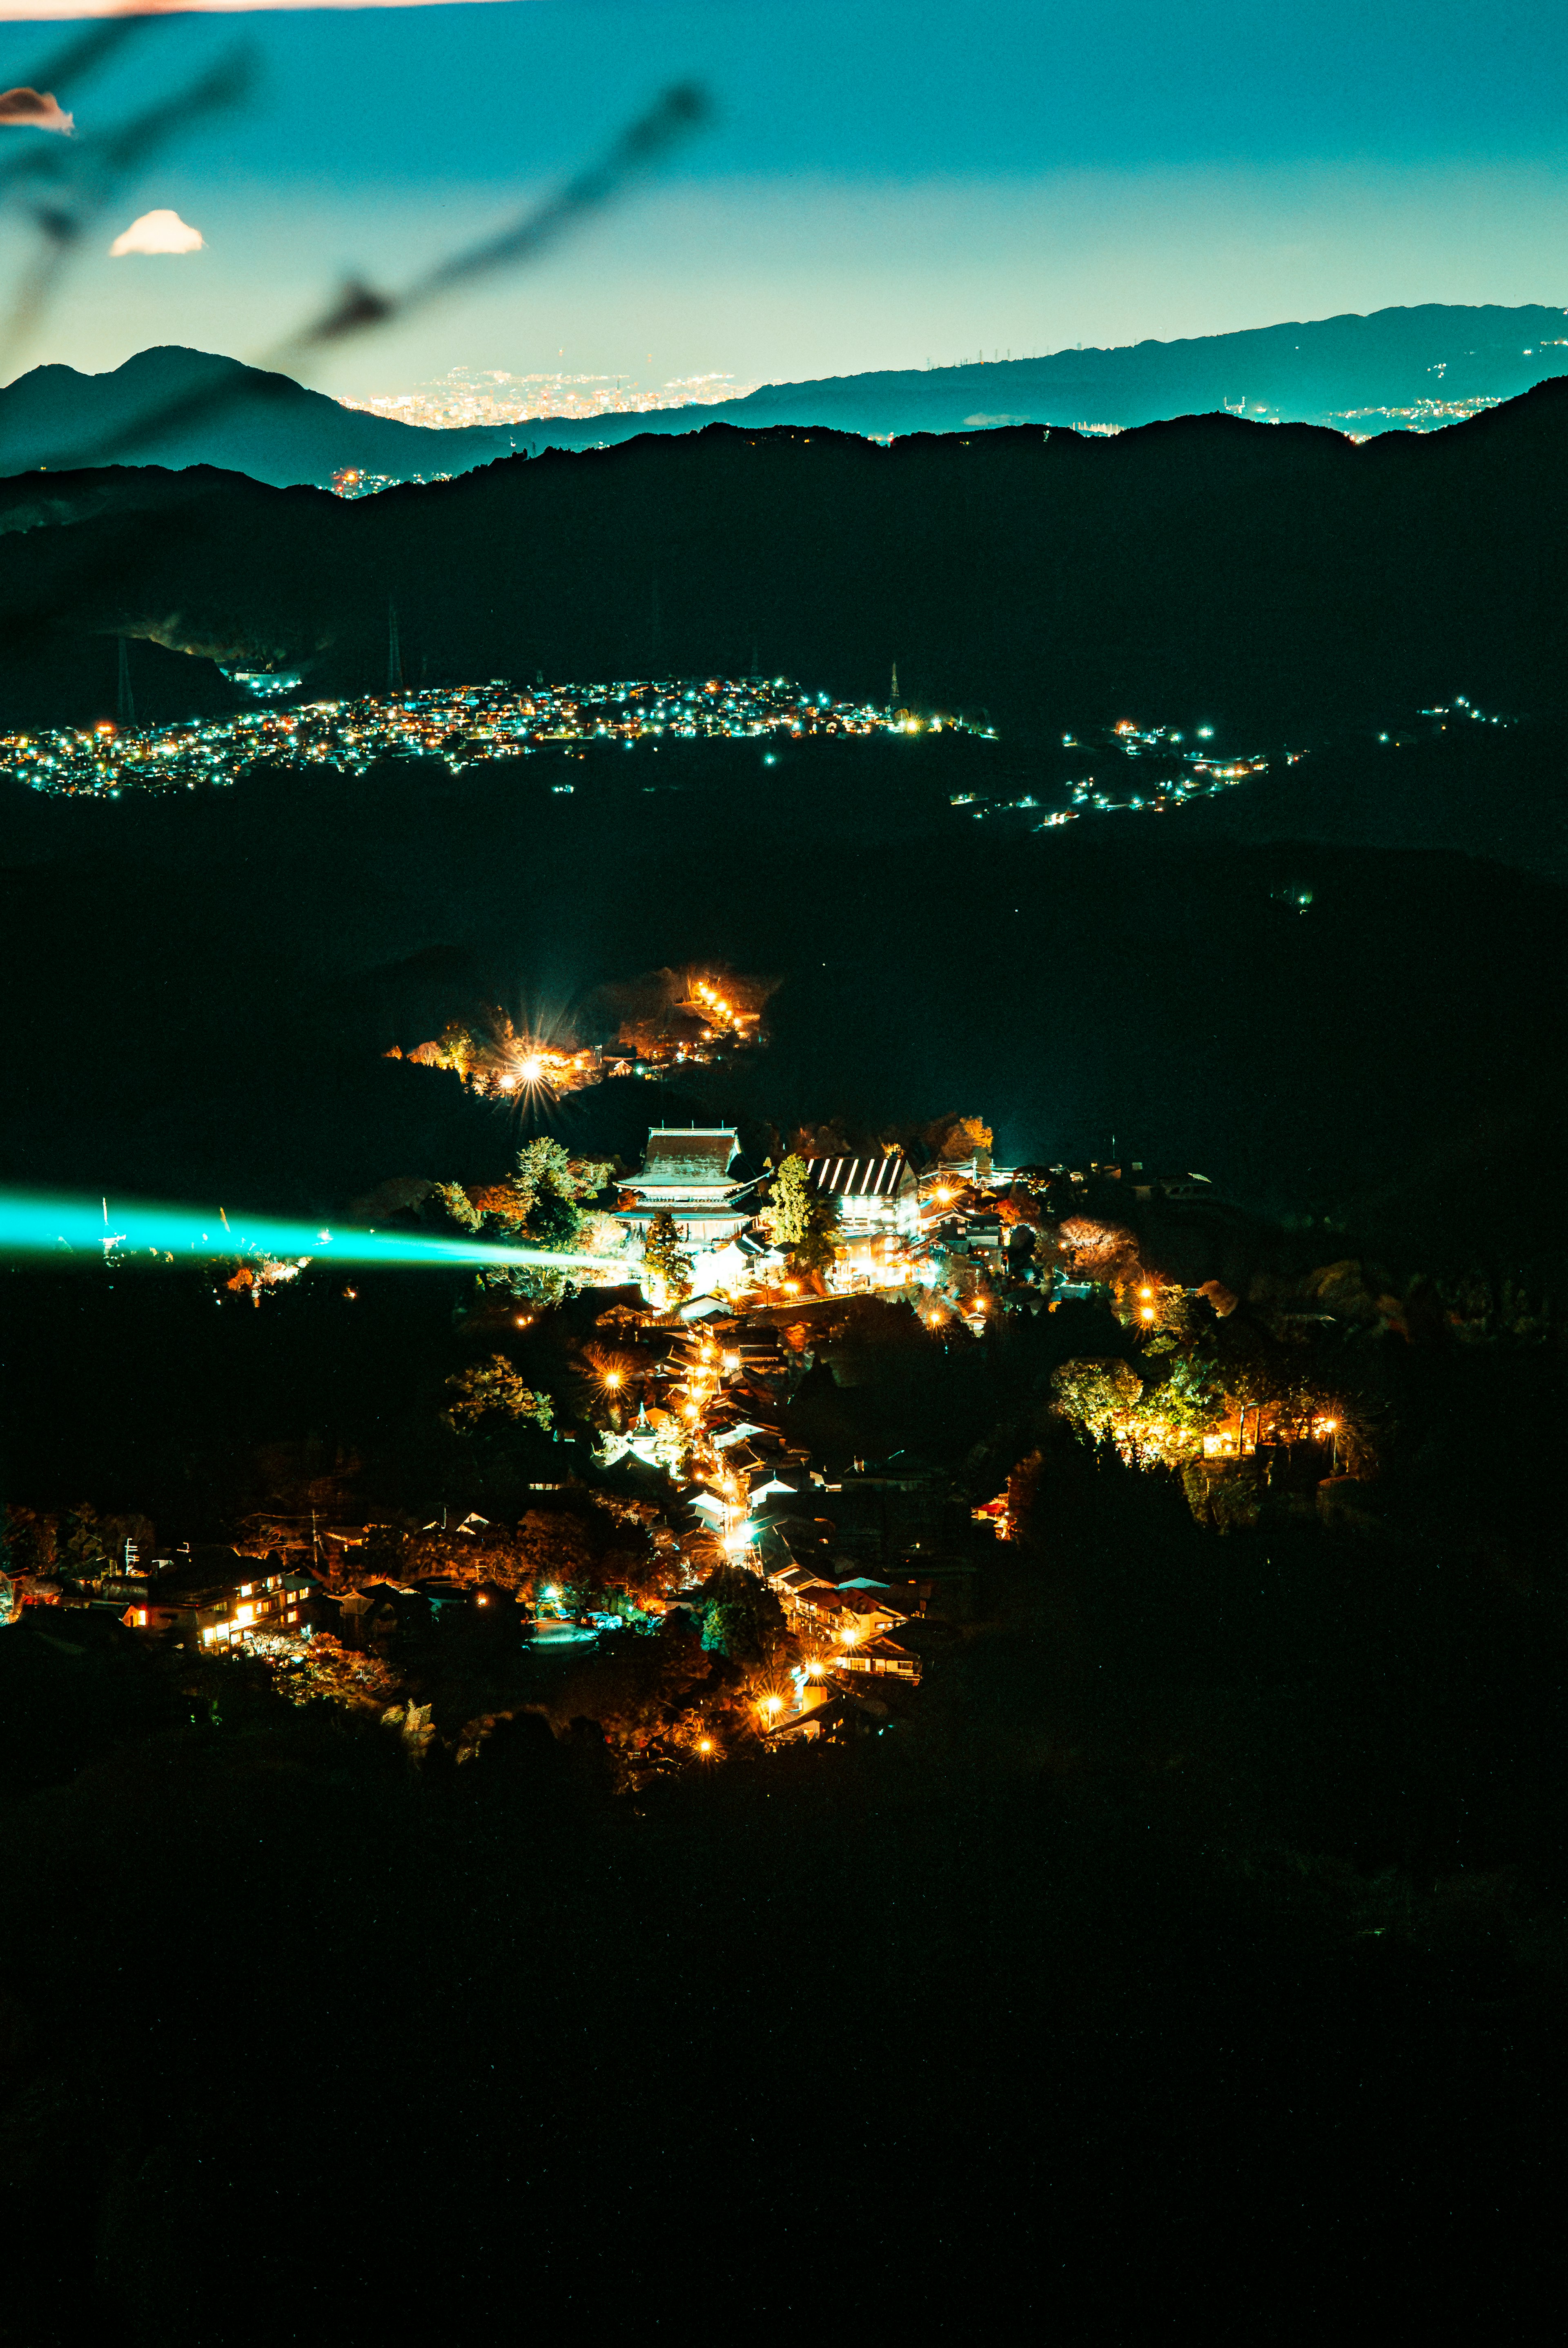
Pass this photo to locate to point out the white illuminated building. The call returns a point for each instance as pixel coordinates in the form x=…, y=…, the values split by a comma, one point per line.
x=878, y=1204
x=688, y=1172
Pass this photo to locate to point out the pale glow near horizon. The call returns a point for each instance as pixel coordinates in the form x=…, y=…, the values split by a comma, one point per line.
x=791, y=283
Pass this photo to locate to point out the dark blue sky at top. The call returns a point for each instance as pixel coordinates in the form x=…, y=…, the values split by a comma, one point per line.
x=362, y=107
x=868, y=86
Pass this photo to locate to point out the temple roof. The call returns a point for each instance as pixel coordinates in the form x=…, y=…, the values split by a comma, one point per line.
x=689, y=1153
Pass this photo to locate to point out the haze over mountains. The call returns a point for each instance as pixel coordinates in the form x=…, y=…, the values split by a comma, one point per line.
x=1328, y=371
x=179, y=408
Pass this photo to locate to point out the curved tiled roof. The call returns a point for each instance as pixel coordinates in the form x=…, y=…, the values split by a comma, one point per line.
x=689, y=1153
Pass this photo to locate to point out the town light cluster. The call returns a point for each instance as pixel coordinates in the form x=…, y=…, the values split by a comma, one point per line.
x=461, y=725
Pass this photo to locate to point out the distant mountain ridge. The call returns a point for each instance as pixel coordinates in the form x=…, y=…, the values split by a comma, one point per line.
x=179, y=408
x=1321, y=371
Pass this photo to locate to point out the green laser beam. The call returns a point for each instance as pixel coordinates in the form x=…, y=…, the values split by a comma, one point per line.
x=35, y=1225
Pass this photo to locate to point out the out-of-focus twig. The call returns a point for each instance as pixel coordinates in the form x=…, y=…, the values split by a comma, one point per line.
x=638, y=148
x=27, y=160
x=360, y=308
x=88, y=175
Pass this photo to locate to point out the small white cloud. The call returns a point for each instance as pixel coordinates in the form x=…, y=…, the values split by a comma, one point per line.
x=160, y=232
x=33, y=109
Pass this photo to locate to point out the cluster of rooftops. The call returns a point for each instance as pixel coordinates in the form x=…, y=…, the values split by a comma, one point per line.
x=749, y=1498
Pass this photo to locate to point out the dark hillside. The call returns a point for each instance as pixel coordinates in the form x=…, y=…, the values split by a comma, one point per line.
x=1281, y=579
x=1128, y=979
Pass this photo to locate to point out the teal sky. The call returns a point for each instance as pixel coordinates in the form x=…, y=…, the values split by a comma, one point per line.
x=883, y=185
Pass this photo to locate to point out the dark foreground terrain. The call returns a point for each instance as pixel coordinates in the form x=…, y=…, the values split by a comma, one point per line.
x=1199, y=1942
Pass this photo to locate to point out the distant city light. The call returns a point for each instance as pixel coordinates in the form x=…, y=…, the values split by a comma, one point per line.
x=458, y=725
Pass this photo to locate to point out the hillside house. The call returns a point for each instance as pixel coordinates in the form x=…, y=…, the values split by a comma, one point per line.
x=209, y=1595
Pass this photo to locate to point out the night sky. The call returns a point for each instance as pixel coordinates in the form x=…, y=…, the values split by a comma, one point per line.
x=882, y=185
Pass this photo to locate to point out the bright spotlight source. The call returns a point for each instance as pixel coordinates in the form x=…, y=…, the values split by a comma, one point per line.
x=532, y=1069
x=612, y=1377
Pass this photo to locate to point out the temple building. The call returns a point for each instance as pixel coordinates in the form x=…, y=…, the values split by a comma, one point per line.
x=695, y=1171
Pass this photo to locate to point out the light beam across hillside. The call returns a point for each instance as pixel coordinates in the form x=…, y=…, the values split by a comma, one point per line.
x=31, y=1225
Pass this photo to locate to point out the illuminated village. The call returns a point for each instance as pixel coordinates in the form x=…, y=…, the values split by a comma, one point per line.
x=749, y=1589
x=685, y=1018
x=459, y=726
x=1120, y=768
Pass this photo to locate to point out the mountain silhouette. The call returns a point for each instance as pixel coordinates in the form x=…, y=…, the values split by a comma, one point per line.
x=1352, y=372
x=178, y=408
x=181, y=407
